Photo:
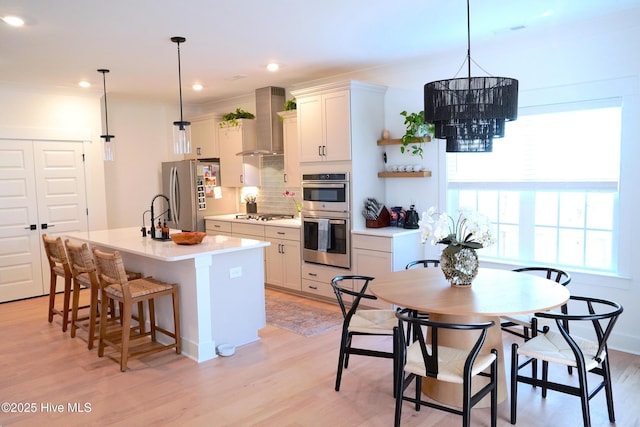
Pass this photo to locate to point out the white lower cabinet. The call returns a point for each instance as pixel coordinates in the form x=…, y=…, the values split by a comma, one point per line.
x=283, y=257
x=214, y=227
x=247, y=231
x=316, y=280
x=376, y=255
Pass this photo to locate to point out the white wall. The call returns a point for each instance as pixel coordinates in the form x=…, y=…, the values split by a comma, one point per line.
x=143, y=140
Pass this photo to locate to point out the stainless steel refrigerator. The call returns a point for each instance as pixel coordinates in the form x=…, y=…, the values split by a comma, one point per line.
x=190, y=186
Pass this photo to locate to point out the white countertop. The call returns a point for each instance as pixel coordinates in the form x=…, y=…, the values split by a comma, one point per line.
x=386, y=231
x=293, y=223
x=130, y=240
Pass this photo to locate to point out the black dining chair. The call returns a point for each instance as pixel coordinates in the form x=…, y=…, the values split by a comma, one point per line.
x=359, y=322
x=425, y=357
x=562, y=347
x=424, y=263
x=525, y=325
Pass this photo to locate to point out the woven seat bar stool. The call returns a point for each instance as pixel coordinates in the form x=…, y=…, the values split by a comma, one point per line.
x=58, y=267
x=115, y=286
x=83, y=271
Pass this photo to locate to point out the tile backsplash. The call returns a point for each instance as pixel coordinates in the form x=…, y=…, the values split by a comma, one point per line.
x=270, y=198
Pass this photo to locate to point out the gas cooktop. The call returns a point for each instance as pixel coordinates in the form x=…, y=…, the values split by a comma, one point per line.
x=263, y=217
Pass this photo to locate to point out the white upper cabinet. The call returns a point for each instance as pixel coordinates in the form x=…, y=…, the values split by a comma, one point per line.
x=237, y=171
x=291, y=175
x=204, y=137
x=324, y=126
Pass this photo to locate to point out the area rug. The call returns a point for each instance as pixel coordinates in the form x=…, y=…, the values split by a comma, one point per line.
x=298, y=317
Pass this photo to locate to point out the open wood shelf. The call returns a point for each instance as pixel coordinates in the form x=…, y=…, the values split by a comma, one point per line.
x=398, y=141
x=421, y=174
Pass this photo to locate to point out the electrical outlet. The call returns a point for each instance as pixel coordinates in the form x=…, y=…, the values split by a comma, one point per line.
x=235, y=272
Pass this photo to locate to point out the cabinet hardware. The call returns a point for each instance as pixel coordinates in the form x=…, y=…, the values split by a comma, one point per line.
x=32, y=227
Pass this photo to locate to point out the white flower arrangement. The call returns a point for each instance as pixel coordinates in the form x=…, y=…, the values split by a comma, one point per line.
x=471, y=230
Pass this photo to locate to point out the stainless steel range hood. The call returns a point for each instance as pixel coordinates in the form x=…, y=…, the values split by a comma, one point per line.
x=269, y=142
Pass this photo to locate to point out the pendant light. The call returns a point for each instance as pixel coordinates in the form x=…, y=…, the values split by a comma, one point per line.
x=108, y=145
x=469, y=112
x=181, y=130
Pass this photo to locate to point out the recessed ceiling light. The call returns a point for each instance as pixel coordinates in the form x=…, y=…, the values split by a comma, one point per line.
x=197, y=87
x=84, y=84
x=273, y=66
x=14, y=21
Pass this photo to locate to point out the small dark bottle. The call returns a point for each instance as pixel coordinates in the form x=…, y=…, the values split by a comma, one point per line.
x=165, y=231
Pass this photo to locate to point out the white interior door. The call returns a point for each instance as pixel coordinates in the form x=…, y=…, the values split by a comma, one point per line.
x=42, y=190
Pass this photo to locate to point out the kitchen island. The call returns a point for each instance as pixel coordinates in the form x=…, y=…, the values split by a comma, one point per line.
x=221, y=284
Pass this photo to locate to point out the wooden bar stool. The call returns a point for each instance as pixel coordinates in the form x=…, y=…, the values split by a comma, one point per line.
x=115, y=286
x=58, y=267
x=83, y=271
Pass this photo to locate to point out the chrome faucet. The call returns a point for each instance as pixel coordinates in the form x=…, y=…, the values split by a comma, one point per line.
x=152, y=231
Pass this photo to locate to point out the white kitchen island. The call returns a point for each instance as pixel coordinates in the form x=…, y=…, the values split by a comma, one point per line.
x=221, y=284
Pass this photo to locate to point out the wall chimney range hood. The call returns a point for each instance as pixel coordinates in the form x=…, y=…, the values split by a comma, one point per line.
x=269, y=140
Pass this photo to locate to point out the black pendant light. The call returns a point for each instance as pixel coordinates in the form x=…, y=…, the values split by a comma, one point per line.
x=470, y=111
x=181, y=131
x=108, y=145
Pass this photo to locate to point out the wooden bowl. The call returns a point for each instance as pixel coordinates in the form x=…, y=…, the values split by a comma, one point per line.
x=188, y=238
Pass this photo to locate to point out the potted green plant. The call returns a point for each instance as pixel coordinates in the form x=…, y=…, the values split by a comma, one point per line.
x=415, y=133
x=231, y=119
x=290, y=104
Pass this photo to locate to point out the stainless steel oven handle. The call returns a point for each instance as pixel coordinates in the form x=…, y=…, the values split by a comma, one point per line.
x=331, y=221
x=323, y=185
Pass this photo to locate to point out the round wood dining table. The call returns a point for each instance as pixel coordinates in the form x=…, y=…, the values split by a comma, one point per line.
x=494, y=293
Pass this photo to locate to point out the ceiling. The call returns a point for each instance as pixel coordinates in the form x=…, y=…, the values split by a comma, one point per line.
x=229, y=43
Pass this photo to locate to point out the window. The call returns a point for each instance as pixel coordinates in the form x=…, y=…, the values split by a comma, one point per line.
x=550, y=186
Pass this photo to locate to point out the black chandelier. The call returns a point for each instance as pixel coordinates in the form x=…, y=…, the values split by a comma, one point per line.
x=108, y=145
x=181, y=131
x=470, y=111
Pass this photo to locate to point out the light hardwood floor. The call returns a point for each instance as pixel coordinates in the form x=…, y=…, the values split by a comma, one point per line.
x=285, y=379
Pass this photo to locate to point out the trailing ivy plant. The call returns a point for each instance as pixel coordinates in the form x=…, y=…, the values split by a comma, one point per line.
x=416, y=130
x=231, y=119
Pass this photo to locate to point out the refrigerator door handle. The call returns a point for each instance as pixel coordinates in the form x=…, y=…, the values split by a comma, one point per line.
x=175, y=193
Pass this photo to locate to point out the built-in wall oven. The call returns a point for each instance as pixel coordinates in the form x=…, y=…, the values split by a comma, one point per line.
x=326, y=219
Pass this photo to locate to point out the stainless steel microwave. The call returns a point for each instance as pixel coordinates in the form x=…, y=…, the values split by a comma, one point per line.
x=325, y=192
